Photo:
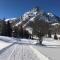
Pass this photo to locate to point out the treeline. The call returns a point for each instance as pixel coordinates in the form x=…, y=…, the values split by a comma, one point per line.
x=20, y=32
x=8, y=30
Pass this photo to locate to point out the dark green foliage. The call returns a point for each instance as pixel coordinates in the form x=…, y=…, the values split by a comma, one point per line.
x=49, y=33
x=26, y=34
x=40, y=34
x=23, y=33
x=15, y=32
x=20, y=32
x=0, y=27
x=9, y=29
x=55, y=36
x=4, y=29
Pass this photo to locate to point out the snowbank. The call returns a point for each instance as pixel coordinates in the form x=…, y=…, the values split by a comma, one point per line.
x=4, y=44
x=29, y=41
x=7, y=39
x=51, y=42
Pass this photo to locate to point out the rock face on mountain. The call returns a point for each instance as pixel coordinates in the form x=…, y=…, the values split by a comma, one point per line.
x=34, y=15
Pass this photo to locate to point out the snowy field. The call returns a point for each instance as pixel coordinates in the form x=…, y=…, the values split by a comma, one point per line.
x=50, y=42
x=6, y=41
x=26, y=49
x=4, y=44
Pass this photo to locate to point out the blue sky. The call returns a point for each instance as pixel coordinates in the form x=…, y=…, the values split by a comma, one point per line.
x=15, y=8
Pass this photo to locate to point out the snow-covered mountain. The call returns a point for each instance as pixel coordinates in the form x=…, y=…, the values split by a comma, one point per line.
x=36, y=13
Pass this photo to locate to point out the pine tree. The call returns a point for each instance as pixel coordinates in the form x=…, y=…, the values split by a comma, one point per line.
x=26, y=34
x=3, y=31
x=49, y=33
x=55, y=36
x=9, y=29
x=21, y=32
x=15, y=32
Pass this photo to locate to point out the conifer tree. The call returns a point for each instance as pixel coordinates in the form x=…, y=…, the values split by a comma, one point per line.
x=3, y=31
x=55, y=36
x=9, y=29
x=15, y=32
x=21, y=32
x=49, y=33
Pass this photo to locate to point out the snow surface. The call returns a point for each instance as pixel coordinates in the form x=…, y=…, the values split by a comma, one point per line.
x=17, y=51
x=10, y=19
x=18, y=23
x=55, y=24
x=29, y=29
x=28, y=41
x=51, y=42
x=32, y=19
x=4, y=44
x=26, y=16
x=50, y=14
x=6, y=41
